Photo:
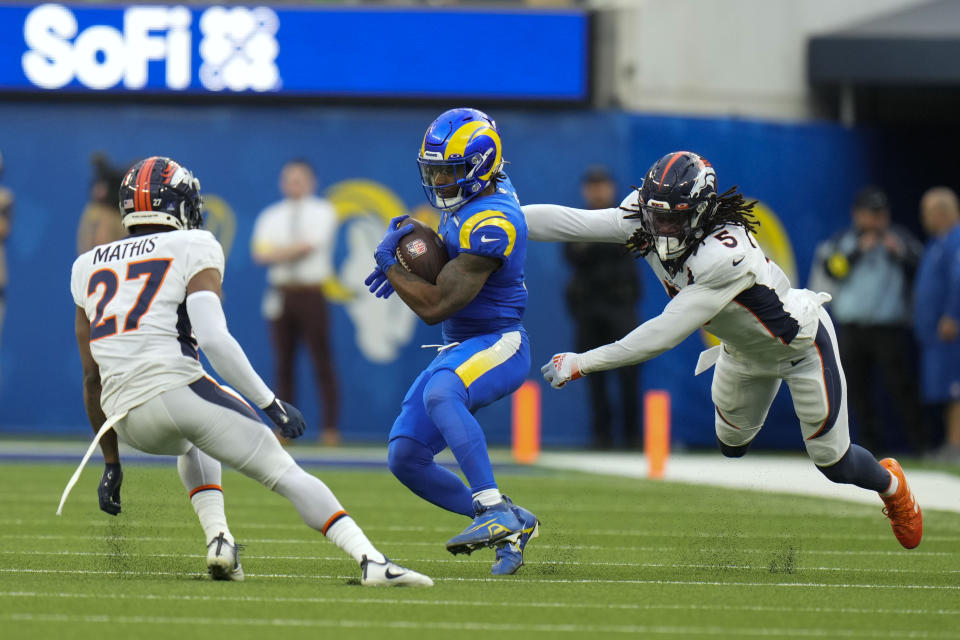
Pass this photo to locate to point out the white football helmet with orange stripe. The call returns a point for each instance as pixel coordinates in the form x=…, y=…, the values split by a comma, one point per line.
x=159, y=191
x=460, y=156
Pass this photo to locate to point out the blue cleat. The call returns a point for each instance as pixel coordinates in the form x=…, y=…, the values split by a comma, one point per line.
x=510, y=552
x=491, y=525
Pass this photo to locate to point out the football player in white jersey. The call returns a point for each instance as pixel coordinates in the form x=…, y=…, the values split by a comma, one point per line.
x=700, y=244
x=144, y=306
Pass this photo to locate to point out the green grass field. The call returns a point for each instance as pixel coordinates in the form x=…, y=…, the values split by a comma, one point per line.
x=615, y=557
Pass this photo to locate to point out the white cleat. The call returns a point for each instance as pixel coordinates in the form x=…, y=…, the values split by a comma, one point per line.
x=223, y=560
x=390, y=574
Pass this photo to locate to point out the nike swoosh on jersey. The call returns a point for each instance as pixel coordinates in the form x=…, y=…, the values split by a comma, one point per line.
x=736, y=262
x=794, y=363
x=486, y=239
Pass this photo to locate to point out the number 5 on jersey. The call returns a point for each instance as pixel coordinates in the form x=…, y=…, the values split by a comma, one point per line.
x=155, y=270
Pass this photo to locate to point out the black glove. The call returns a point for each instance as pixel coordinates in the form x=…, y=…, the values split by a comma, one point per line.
x=287, y=418
x=109, y=488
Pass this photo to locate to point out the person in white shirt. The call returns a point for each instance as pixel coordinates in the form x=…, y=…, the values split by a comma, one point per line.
x=144, y=306
x=295, y=239
x=700, y=244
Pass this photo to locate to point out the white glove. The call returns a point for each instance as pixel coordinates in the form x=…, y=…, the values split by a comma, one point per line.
x=562, y=368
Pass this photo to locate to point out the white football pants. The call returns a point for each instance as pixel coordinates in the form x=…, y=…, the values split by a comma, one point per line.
x=744, y=388
x=219, y=423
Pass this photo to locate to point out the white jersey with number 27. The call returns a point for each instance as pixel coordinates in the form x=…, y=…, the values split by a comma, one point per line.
x=134, y=293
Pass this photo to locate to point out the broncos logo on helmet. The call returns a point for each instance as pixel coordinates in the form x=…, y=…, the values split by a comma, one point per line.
x=460, y=156
x=159, y=191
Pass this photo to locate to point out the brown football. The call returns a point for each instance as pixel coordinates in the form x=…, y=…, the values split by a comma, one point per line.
x=422, y=252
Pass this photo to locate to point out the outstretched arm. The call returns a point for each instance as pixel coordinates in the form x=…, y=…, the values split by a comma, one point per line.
x=227, y=357
x=459, y=282
x=555, y=223
x=221, y=348
x=693, y=307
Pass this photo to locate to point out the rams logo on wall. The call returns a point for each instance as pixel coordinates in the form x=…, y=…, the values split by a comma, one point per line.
x=364, y=208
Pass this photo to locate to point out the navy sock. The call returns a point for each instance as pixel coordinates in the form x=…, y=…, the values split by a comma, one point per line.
x=445, y=399
x=858, y=467
x=731, y=451
x=412, y=463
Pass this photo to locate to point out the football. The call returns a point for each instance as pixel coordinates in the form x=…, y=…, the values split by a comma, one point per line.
x=422, y=252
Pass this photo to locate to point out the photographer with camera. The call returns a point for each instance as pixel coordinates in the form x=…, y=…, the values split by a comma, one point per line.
x=868, y=268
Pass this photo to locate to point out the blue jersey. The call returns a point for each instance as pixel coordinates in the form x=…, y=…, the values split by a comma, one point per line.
x=490, y=226
x=937, y=286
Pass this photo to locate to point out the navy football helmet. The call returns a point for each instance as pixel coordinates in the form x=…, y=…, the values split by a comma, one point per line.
x=162, y=192
x=460, y=155
x=677, y=198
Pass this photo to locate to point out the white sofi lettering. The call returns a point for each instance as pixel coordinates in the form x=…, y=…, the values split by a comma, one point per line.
x=102, y=56
x=47, y=31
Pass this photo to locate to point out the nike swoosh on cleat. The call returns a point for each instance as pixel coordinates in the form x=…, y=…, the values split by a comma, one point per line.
x=392, y=576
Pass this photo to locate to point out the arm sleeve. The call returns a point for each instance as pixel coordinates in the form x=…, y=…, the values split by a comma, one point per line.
x=553, y=223
x=693, y=307
x=222, y=350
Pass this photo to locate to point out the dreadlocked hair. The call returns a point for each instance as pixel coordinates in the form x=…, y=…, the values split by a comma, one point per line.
x=730, y=208
x=641, y=241
x=733, y=209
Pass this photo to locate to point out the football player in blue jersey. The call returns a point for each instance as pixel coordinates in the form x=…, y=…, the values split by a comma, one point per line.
x=479, y=297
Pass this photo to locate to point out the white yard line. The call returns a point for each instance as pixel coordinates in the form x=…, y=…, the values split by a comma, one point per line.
x=476, y=602
x=757, y=471
x=484, y=626
x=484, y=561
x=539, y=545
x=619, y=533
x=515, y=580
x=783, y=474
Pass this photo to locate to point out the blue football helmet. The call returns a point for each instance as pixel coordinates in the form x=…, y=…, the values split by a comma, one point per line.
x=460, y=156
x=158, y=191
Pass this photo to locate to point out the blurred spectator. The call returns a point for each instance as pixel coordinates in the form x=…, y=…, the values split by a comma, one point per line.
x=868, y=269
x=295, y=239
x=6, y=217
x=602, y=297
x=100, y=222
x=937, y=313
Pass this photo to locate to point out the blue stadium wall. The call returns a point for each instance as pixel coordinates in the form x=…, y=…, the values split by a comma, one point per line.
x=800, y=172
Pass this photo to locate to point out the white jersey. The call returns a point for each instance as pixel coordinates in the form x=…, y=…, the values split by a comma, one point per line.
x=133, y=291
x=728, y=287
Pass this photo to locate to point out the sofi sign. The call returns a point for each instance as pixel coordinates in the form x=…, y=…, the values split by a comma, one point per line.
x=238, y=49
x=373, y=53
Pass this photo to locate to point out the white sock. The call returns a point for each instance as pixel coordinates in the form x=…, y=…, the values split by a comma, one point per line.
x=892, y=489
x=208, y=503
x=346, y=534
x=488, y=497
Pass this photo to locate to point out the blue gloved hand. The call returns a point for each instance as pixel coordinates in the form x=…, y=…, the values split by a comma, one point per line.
x=378, y=283
x=287, y=418
x=385, y=254
x=108, y=491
